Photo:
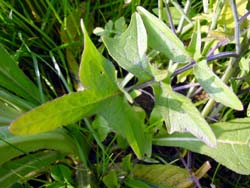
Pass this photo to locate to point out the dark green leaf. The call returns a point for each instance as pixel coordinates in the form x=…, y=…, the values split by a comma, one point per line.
x=125, y=121
x=13, y=79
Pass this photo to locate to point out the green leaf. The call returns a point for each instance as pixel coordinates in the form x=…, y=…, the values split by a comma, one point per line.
x=233, y=146
x=7, y=113
x=22, y=168
x=226, y=17
x=125, y=121
x=62, y=173
x=96, y=72
x=13, y=79
x=195, y=44
x=129, y=49
x=161, y=38
x=163, y=175
x=214, y=86
x=14, y=146
x=180, y=115
x=61, y=111
x=111, y=180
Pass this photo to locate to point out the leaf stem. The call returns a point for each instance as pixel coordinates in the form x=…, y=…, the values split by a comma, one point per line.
x=160, y=9
x=181, y=23
x=237, y=26
x=170, y=19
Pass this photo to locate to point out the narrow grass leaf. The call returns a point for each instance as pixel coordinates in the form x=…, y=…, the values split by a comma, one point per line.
x=13, y=79
x=215, y=87
x=161, y=38
x=22, y=168
x=233, y=145
x=180, y=115
x=129, y=49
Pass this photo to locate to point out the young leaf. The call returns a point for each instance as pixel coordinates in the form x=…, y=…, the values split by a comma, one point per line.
x=129, y=49
x=161, y=38
x=216, y=89
x=123, y=119
x=96, y=72
x=13, y=79
x=180, y=115
x=233, y=146
x=61, y=111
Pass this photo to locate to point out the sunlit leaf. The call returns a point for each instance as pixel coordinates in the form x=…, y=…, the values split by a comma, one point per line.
x=180, y=115
x=163, y=175
x=61, y=111
x=161, y=38
x=233, y=146
x=226, y=17
x=214, y=86
x=96, y=72
x=13, y=79
x=129, y=49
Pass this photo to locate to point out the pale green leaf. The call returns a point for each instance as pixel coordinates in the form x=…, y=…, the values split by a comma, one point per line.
x=161, y=38
x=124, y=120
x=226, y=17
x=233, y=144
x=96, y=72
x=111, y=180
x=180, y=115
x=61, y=111
x=163, y=175
x=195, y=44
x=13, y=79
x=214, y=86
x=129, y=49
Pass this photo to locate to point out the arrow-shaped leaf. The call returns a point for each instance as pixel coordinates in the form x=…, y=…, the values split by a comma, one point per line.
x=180, y=115
x=129, y=49
x=161, y=38
x=214, y=86
x=233, y=144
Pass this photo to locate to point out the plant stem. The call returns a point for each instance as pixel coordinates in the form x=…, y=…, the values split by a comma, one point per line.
x=237, y=26
x=160, y=9
x=181, y=23
x=171, y=24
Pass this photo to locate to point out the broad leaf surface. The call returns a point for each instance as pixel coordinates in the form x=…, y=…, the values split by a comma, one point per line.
x=96, y=72
x=161, y=38
x=214, y=86
x=124, y=120
x=180, y=115
x=163, y=175
x=61, y=111
x=129, y=49
x=233, y=144
x=13, y=79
